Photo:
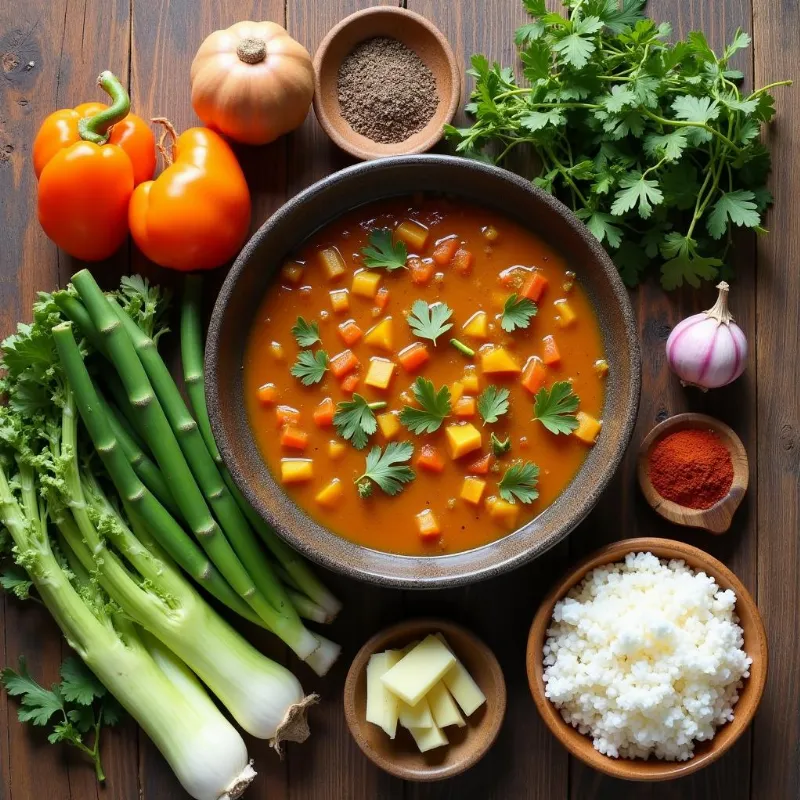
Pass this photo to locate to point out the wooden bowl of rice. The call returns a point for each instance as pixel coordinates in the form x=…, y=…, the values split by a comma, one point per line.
x=705, y=752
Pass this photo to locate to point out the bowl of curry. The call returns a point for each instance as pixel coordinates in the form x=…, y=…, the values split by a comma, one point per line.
x=423, y=371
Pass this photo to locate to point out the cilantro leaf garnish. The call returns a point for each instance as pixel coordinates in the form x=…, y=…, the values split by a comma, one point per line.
x=430, y=321
x=519, y=482
x=387, y=469
x=435, y=407
x=305, y=333
x=310, y=367
x=517, y=313
x=555, y=407
x=383, y=252
x=355, y=421
x=499, y=446
x=493, y=403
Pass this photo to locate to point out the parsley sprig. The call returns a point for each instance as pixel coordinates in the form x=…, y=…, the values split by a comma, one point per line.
x=654, y=145
x=310, y=367
x=517, y=313
x=383, y=252
x=387, y=469
x=435, y=407
x=555, y=407
x=306, y=334
x=355, y=421
x=493, y=403
x=519, y=483
x=430, y=321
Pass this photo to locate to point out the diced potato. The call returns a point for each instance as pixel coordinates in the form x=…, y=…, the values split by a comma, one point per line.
x=498, y=361
x=471, y=382
x=414, y=675
x=427, y=524
x=381, y=335
x=462, y=686
x=340, y=300
x=366, y=283
x=462, y=439
x=379, y=373
x=456, y=390
x=332, y=263
x=267, y=394
x=418, y=716
x=292, y=272
x=330, y=495
x=601, y=367
x=472, y=490
x=276, y=351
x=382, y=705
x=443, y=707
x=502, y=512
x=477, y=326
x=412, y=233
x=296, y=470
x=389, y=425
x=428, y=738
x=336, y=449
x=588, y=428
x=565, y=314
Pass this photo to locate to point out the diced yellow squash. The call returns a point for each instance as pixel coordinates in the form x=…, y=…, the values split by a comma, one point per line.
x=498, y=360
x=381, y=335
x=499, y=300
x=330, y=495
x=456, y=391
x=292, y=272
x=472, y=490
x=336, y=449
x=588, y=428
x=379, y=373
x=332, y=263
x=277, y=351
x=413, y=676
x=502, y=512
x=427, y=524
x=477, y=326
x=462, y=439
x=296, y=470
x=412, y=233
x=340, y=300
x=565, y=315
x=428, y=738
x=366, y=283
x=471, y=382
x=389, y=425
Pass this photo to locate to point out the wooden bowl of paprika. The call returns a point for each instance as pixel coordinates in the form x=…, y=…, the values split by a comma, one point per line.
x=693, y=470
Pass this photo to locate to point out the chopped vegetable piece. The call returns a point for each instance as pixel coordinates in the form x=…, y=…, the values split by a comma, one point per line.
x=429, y=321
x=534, y=287
x=429, y=459
x=462, y=261
x=588, y=428
x=601, y=367
x=306, y=334
x=387, y=469
x=462, y=439
x=350, y=383
x=456, y=391
x=517, y=313
x=427, y=524
x=462, y=348
x=340, y=300
x=472, y=490
x=566, y=314
x=343, y=363
x=381, y=335
x=435, y=407
x=498, y=361
x=415, y=674
x=490, y=233
x=365, y=283
x=534, y=375
x=336, y=450
x=462, y=686
x=389, y=425
x=428, y=738
x=519, y=482
x=332, y=263
x=465, y=408
x=267, y=394
x=411, y=358
x=294, y=438
x=445, y=250
x=383, y=253
x=382, y=298
x=310, y=367
x=420, y=271
x=379, y=373
x=355, y=420
x=276, y=349
x=499, y=446
x=323, y=413
x=481, y=466
x=286, y=415
x=292, y=272
x=477, y=326
x=493, y=403
x=350, y=332
x=556, y=408
x=418, y=716
x=382, y=705
x=550, y=354
x=296, y=470
x=330, y=495
x=443, y=707
x=412, y=233
x=503, y=512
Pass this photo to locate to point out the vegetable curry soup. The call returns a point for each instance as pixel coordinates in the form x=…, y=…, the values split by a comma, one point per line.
x=425, y=377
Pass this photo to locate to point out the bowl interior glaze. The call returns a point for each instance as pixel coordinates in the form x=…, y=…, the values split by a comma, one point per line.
x=250, y=279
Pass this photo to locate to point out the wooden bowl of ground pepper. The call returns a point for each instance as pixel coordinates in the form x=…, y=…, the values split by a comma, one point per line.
x=693, y=470
x=386, y=82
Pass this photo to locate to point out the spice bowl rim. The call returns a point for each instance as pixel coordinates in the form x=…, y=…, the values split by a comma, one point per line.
x=468, y=647
x=755, y=645
x=326, y=106
x=715, y=518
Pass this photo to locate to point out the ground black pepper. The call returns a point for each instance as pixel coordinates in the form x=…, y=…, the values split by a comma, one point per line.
x=386, y=92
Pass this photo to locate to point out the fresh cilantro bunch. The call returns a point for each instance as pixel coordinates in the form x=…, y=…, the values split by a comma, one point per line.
x=653, y=145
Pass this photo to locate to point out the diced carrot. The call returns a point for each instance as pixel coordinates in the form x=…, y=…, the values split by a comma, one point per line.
x=294, y=438
x=323, y=413
x=267, y=394
x=421, y=271
x=427, y=524
x=411, y=358
x=286, y=415
x=430, y=458
x=550, y=354
x=481, y=466
x=445, y=250
x=534, y=375
x=350, y=383
x=382, y=298
x=465, y=408
x=350, y=332
x=534, y=287
x=462, y=261
x=342, y=363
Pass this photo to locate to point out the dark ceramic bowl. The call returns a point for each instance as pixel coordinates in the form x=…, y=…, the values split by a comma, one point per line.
x=250, y=278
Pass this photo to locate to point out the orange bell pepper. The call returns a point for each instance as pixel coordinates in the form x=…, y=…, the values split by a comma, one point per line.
x=196, y=214
x=88, y=160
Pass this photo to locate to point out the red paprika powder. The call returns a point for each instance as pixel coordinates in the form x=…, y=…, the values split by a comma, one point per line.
x=692, y=468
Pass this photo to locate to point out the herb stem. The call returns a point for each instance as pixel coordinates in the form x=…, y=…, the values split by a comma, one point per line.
x=679, y=123
x=567, y=177
x=770, y=86
x=378, y=404
x=462, y=348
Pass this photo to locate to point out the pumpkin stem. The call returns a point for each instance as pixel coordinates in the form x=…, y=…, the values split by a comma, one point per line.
x=252, y=50
x=169, y=130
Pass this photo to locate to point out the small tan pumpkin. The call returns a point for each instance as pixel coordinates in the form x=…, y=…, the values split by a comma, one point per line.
x=252, y=82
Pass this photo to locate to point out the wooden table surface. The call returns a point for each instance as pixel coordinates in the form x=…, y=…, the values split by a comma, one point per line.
x=50, y=54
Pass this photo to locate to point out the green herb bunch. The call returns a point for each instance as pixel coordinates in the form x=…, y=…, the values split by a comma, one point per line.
x=653, y=145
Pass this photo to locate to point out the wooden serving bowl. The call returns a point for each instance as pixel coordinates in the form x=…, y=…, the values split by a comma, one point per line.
x=717, y=518
x=400, y=757
x=755, y=645
x=417, y=34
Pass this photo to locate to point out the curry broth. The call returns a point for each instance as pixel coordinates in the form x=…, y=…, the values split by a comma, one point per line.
x=388, y=523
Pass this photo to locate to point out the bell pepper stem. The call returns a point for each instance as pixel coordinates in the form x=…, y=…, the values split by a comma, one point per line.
x=96, y=129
